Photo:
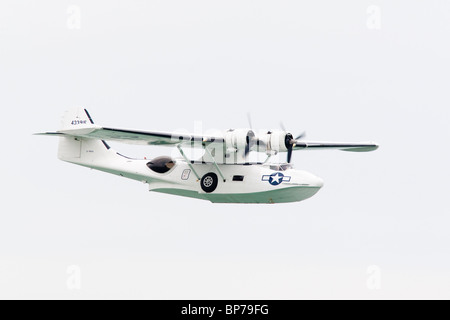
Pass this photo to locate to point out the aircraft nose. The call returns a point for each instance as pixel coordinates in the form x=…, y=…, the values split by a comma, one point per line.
x=317, y=182
x=310, y=180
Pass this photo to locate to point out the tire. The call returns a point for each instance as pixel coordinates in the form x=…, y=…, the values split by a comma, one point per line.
x=209, y=182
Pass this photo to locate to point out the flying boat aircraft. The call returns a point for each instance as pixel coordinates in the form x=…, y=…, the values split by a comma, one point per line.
x=223, y=174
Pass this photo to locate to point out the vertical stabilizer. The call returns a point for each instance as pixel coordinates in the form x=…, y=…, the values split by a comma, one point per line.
x=76, y=149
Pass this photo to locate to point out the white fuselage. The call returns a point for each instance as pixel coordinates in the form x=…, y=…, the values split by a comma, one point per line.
x=244, y=183
x=252, y=183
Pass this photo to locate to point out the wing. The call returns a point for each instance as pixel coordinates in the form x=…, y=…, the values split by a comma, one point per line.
x=344, y=146
x=77, y=122
x=139, y=137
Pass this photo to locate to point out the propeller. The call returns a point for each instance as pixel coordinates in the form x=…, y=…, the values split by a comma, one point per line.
x=252, y=140
x=249, y=118
x=301, y=136
x=290, y=142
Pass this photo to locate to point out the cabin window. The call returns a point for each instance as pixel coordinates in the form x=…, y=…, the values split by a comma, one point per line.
x=161, y=164
x=238, y=178
x=281, y=167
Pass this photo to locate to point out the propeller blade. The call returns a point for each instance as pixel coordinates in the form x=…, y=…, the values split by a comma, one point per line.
x=260, y=143
x=301, y=136
x=251, y=141
x=249, y=118
x=289, y=155
x=247, y=150
x=282, y=126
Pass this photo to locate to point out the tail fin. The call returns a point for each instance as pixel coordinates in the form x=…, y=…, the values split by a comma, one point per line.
x=76, y=149
x=76, y=118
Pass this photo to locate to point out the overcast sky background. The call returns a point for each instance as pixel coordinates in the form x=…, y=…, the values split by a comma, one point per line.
x=326, y=67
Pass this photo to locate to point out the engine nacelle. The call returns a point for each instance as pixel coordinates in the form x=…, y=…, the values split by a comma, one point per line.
x=240, y=142
x=276, y=141
x=237, y=140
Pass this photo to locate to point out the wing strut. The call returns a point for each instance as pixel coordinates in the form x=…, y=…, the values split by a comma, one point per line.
x=188, y=162
x=215, y=164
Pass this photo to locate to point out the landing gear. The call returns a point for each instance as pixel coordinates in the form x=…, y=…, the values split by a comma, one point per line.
x=209, y=182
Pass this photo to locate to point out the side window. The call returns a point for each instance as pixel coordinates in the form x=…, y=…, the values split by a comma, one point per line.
x=161, y=164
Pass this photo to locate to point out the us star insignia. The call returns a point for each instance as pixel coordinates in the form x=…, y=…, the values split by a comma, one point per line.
x=276, y=178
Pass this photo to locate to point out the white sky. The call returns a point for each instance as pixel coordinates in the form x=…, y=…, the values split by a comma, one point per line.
x=162, y=65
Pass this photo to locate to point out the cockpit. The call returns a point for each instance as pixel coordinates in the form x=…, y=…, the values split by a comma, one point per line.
x=281, y=167
x=161, y=164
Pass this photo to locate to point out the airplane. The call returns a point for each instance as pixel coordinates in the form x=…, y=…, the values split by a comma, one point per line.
x=224, y=174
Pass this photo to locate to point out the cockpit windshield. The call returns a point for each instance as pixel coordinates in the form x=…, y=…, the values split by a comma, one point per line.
x=281, y=167
x=161, y=164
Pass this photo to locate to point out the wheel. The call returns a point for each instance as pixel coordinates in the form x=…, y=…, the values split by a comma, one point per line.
x=209, y=182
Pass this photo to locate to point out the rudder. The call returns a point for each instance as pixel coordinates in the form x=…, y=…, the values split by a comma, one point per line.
x=76, y=149
x=76, y=118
